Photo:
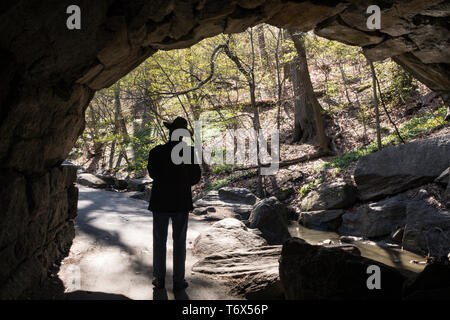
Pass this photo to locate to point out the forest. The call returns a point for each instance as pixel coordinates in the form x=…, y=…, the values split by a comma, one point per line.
x=329, y=103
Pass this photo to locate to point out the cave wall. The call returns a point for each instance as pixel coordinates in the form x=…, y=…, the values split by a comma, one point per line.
x=37, y=226
x=48, y=75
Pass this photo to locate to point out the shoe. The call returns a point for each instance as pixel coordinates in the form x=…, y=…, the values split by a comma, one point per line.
x=158, y=283
x=180, y=285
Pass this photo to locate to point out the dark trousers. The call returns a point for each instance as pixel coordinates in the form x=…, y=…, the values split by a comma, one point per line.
x=179, y=230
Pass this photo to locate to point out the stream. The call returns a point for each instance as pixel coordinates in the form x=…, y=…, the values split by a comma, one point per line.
x=397, y=258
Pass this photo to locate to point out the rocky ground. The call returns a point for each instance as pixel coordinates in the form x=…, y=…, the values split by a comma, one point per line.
x=111, y=254
x=398, y=201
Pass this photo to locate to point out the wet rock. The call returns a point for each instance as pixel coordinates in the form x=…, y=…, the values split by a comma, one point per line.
x=241, y=195
x=399, y=168
x=226, y=234
x=337, y=195
x=92, y=181
x=326, y=242
x=427, y=230
x=252, y=272
x=270, y=217
x=322, y=220
x=375, y=219
x=318, y=272
x=350, y=239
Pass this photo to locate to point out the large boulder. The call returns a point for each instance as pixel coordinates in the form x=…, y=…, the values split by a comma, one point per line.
x=424, y=228
x=241, y=195
x=375, y=219
x=432, y=283
x=427, y=230
x=144, y=195
x=270, y=217
x=226, y=234
x=317, y=272
x=120, y=184
x=322, y=220
x=92, y=181
x=110, y=180
x=252, y=271
x=138, y=184
x=398, y=168
x=337, y=195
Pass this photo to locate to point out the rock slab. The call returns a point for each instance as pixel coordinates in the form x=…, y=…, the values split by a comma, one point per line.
x=92, y=181
x=322, y=220
x=337, y=195
x=252, y=272
x=375, y=219
x=399, y=168
x=226, y=234
x=317, y=272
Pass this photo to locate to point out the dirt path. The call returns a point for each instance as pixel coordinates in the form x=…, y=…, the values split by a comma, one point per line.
x=112, y=251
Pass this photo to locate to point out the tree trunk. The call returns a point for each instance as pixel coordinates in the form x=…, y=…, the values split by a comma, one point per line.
x=304, y=125
x=344, y=80
x=375, y=100
x=305, y=82
x=120, y=127
x=98, y=146
x=264, y=56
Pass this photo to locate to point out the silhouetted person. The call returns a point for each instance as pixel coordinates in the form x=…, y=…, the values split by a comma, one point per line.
x=171, y=197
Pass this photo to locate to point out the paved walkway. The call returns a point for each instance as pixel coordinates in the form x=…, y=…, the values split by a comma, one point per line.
x=112, y=251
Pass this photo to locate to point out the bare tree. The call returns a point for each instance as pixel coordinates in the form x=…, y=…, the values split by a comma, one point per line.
x=375, y=100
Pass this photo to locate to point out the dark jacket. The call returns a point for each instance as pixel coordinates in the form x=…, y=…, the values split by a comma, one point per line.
x=171, y=190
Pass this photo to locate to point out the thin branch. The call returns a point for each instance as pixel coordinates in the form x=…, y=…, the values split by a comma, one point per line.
x=201, y=83
x=385, y=109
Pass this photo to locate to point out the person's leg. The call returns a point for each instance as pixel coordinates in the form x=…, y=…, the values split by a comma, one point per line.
x=160, y=226
x=179, y=230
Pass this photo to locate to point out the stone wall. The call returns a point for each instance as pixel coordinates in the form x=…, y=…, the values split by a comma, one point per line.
x=37, y=226
x=48, y=75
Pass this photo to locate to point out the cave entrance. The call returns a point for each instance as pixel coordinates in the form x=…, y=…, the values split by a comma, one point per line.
x=51, y=74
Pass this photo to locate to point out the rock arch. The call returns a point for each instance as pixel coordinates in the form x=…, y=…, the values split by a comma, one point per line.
x=50, y=73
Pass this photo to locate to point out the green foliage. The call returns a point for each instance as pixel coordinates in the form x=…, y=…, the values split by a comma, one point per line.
x=216, y=185
x=408, y=131
x=397, y=82
x=223, y=169
x=142, y=142
x=308, y=187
